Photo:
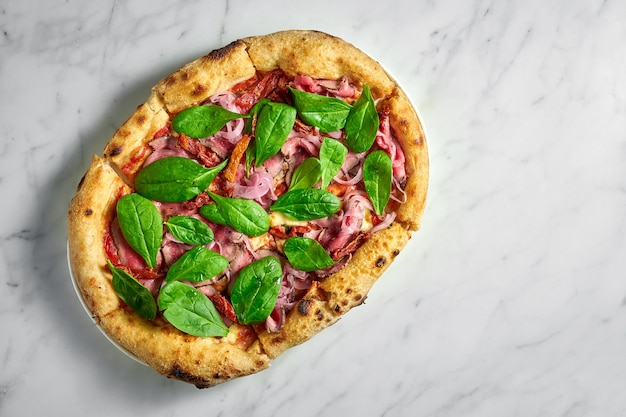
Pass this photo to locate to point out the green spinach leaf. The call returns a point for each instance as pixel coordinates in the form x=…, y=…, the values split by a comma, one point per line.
x=249, y=126
x=190, y=230
x=274, y=123
x=190, y=311
x=250, y=154
x=377, y=175
x=332, y=156
x=307, y=204
x=245, y=216
x=255, y=291
x=306, y=175
x=175, y=179
x=133, y=293
x=197, y=265
x=326, y=113
x=306, y=254
x=141, y=225
x=362, y=123
x=212, y=213
x=203, y=121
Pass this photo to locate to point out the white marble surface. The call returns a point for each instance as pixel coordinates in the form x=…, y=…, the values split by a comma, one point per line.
x=511, y=300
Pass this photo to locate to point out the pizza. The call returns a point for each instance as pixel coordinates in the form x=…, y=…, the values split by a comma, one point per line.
x=253, y=199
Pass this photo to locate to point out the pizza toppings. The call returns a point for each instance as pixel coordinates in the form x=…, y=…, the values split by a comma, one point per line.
x=252, y=196
x=140, y=223
x=210, y=281
x=256, y=289
x=306, y=254
x=190, y=311
x=203, y=121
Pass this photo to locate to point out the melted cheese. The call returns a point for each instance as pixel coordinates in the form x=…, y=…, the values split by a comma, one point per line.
x=367, y=224
x=278, y=219
x=257, y=242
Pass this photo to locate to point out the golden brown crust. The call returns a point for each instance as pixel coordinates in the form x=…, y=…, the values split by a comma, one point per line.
x=319, y=55
x=91, y=211
x=348, y=287
x=407, y=128
x=128, y=149
x=203, y=362
x=197, y=81
x=208, y=361
x=311, y=315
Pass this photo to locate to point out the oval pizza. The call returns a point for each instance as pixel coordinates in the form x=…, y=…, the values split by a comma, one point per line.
x=251, y=201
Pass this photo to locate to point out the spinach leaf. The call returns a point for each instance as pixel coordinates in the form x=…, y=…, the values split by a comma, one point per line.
x=141, y=225
x=190, y=311
x=274, y=123
x=133, y=293
x=253, y=115
x=306, y=254
x=197, y=265
x=326, y=113
x=362, y=123
x=212, y=214
x=306, y=175
x=250, y=128
x=190, y=230
x=245, y=216
x=175, y=179
x=203, y=121
x=332, y=156
x=255, y=291
x=307, y=204
x=250, y=153
x=377, y=176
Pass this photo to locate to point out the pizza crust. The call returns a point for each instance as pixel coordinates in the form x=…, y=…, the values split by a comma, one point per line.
x=318, y=55
x=310, y=315
x=348, y=287
x=128, y=148
x=91, y=211
x=407, y=128
x=208, y=361
x=197, y=81
x=203, y=362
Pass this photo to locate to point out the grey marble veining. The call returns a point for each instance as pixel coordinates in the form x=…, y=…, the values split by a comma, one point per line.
x=511, y=300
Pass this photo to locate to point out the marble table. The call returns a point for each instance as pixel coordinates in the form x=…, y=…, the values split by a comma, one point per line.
x=511, y=300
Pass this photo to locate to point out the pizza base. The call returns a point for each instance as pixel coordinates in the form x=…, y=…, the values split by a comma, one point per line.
x=205, y=362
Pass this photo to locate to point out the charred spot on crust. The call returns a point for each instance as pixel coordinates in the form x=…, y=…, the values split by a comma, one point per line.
x=88, y=212
x=380, y=262
x=141, y=120
x=180, y=374
x=123, y=133
x=220, y=53
x=115, y=151
x=198, y=90
x=304, y=307
x=357, y=298
x=395, y=252
x=277, y=340
x=80, y=183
